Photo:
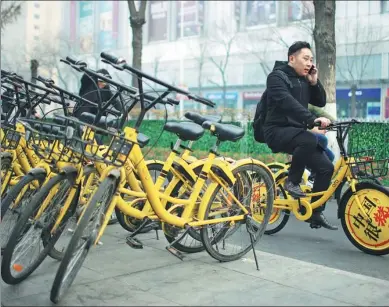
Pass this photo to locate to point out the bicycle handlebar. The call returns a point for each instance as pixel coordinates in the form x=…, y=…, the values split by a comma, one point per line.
x=82, y=66
x=75, y=62
x=115, y=61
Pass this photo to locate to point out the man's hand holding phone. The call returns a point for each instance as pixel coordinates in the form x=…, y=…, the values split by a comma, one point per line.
x=312, y=75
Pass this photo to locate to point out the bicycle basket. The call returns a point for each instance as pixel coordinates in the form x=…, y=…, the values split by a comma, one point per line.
x=365, y=164
x=115, y=151
x=49, y=140
x=10, y=137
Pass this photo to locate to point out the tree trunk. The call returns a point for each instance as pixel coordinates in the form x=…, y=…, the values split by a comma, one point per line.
x=137, y=20
x=34, y=64
x=325, y=43
x=324, y=36
x=199, y=83
x=224, y=90
x=137, y=34
x=353, y=101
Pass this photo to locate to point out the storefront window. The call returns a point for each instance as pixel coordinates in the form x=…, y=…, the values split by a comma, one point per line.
x=250, y=101
x=260, y=13
x=193, y=17
x=158, y=20
x=385, y=6
x=300, y=10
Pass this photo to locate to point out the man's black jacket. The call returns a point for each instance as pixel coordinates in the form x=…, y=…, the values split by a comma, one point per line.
x=287, y=108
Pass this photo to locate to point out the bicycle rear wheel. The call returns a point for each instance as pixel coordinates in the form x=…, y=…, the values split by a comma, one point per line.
x=14, y=204
x=83, y=238
x=14, y=268
x=254, y=189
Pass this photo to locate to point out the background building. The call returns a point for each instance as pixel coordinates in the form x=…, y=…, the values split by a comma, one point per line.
x=227, y=47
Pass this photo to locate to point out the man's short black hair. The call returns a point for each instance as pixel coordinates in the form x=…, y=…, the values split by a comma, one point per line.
x=297, y=46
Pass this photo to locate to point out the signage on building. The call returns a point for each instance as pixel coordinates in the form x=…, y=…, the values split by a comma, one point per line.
x=219, y=96
x=364, y=93
x=373, y=110
x=108, y=24
x=86, y=26
x=252, y=95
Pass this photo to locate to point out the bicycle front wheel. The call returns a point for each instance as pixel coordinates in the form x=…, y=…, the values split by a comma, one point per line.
x=254, y=189
x=371, y=234
x=83, y=238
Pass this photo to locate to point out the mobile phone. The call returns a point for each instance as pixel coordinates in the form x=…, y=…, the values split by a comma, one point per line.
x=311, y=70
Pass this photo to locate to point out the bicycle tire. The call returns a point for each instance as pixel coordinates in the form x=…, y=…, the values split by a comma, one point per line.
x=207, y=242
x=19, y=230
x=13, y=193
x=54, y=253
x=338, y=192
x=59, y=288
x=284, y=220
x=352, y=234
x=6, y=165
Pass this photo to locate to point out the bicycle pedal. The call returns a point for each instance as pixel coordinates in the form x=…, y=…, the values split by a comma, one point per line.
x=314, y=226
x=175, y=252
x=134, y=242
x=156, y=226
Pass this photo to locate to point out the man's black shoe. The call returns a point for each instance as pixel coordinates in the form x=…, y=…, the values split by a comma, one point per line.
x=293, y=189
x=319, y=220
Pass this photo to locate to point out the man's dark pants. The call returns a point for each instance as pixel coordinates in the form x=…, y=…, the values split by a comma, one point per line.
x=306, y=153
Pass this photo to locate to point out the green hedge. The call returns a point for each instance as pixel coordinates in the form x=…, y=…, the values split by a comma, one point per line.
x=370, y=135
x=247, y=145
x=363, y=136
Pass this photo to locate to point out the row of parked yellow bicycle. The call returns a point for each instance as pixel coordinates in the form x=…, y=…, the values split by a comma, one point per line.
x=58, y=182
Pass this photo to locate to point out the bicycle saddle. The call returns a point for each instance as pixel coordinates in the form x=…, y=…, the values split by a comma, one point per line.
x=225, y=132
x=186, y=131
x=104, y=122
x=200, y=119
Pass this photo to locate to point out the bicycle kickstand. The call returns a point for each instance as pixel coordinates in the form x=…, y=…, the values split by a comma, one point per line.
x=250, y=229
x=134, y=242
x=173, y=250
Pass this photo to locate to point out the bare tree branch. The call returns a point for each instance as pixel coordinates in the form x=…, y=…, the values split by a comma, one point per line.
x=215, y=83
x=255, y=46
x=132, y=8
x=225, y=40
x=9, y=12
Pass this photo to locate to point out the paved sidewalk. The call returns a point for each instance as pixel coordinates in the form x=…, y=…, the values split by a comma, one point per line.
x=116, y=275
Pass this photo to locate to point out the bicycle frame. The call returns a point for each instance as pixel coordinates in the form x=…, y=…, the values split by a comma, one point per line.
x=341, y=171
x=157, y=199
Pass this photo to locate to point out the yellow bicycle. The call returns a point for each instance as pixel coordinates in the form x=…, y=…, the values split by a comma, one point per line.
x=364, y=207
x=219, y=205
